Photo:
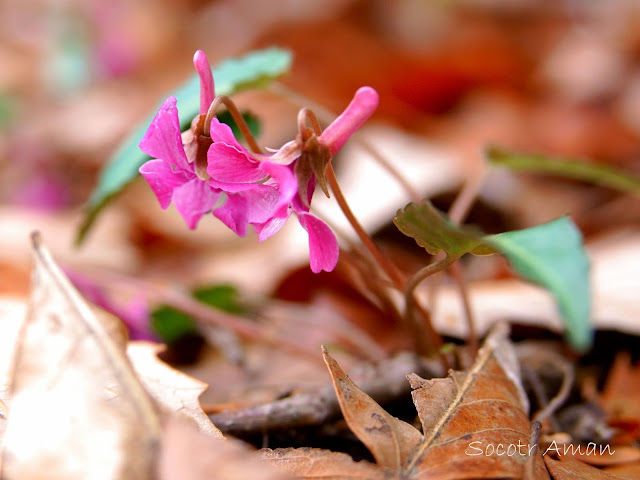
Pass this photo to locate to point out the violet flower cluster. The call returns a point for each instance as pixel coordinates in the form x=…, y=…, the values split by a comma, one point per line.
x=200, y=169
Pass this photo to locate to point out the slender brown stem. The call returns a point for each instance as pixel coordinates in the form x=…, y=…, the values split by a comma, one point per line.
x=427, y=340
x=411, y=303
x=466, y=197
x=237, y=117
x=457, y=213
x=456, y=272
x=390, y=269
x=200, y=312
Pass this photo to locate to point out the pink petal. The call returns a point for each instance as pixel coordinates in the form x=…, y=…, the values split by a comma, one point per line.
x=323, y=245
x=221, y=132
x=193, y=199
x=255, y=206
x=263, y=201
x=234, y=214
x=163, y=140
x=286, y=182
x=364, y=103
x=231, y=187
x=162, y=179
x=229, y=165
x=270, y=228
x=207, y=91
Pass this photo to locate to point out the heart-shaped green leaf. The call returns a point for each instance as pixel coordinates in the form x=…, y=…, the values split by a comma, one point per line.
x=255, y=70
x=550, y=255
x=432, y=231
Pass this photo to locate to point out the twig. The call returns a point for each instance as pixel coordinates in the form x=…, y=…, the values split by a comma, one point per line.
x=533, y=355
x=199, y=311
x=383, y=383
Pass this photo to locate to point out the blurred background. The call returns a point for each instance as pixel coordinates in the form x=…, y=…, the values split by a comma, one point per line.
x=555, y=77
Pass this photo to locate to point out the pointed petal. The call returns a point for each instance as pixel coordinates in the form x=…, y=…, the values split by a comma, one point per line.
x=323, y=245
x=286, y=154
x=262, y=200
x=364, y=103
x=230, y=165
x=194, y=199
x=207, y=91
x=163, y=140
x=270, y=228
x=285, y=180
x=221, y=132
x=162, y=180
x=234, y=214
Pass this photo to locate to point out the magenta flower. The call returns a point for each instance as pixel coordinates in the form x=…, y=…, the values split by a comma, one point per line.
x=173, y=176
x=232, y=169
x=193, y=170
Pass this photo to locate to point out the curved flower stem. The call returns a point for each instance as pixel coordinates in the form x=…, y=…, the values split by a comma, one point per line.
x=427, y=340
x=409, y=292
x=327, y=116
x=237, y=117
x=456, y=273
x=457, y=213
x=390, y=269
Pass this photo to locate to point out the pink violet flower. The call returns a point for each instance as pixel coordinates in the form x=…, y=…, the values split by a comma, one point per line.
x=173, y=175
x=261, y=190
x=232, y=167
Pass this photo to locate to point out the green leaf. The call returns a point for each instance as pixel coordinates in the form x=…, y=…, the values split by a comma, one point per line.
x=222, y=296
x=171, y=324
x=251, y=120
x=551, y=255
x=8, y=110
x=255, y=70
x=432, y=231
x=576, y=169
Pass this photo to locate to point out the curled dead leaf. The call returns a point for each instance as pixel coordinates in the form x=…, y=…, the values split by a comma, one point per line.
x=76, y=408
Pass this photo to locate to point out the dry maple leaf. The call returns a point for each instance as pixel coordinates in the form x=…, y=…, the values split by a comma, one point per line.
x=462, y=417
x=76, y=409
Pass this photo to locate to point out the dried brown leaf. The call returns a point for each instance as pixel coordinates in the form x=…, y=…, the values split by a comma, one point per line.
x=76, y=409
x=188, y=454
x=174, y=391
x=462, y=416
x=571, y=469
x=391, y=441
x=310, y=463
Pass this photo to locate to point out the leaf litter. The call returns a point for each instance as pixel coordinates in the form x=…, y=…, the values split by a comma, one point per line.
x=483, y=406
